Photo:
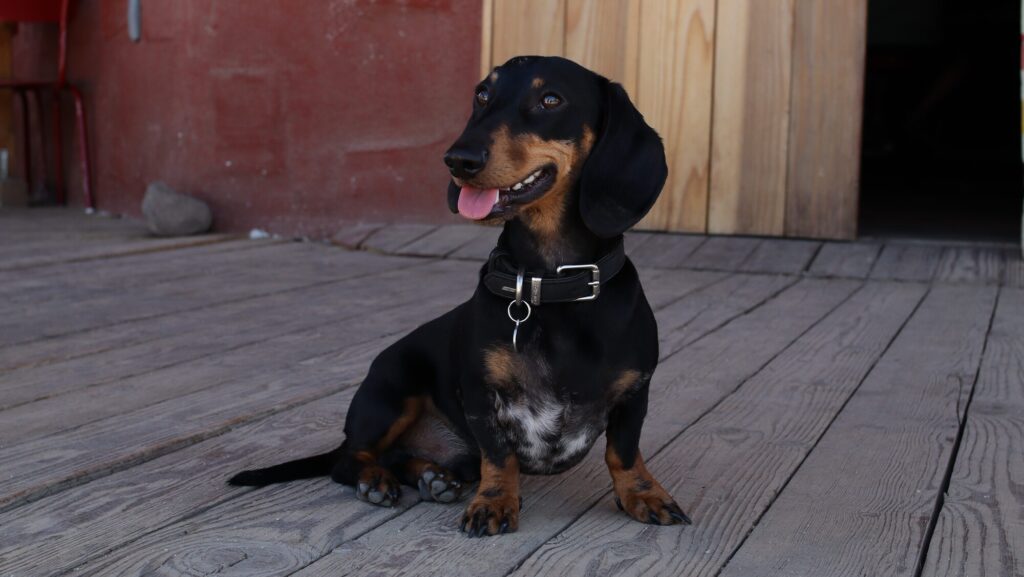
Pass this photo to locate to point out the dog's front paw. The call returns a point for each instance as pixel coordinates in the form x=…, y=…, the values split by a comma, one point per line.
x=653, y=506
x=490, y=515
x=378, y=486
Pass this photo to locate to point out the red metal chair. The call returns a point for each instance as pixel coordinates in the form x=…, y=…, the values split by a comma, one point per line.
x=50, y=11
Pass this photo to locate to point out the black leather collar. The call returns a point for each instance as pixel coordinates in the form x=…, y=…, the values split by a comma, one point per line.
x=574, y=283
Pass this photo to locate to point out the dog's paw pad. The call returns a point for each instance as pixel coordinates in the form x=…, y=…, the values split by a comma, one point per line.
x=379, y=487
x=436, y=484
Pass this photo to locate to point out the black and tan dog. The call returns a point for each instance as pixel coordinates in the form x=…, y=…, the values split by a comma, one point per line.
x=561, y=156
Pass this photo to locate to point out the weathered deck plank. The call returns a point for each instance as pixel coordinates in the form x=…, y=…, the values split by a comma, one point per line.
x=40, y=466
x=722, y=253
x=862, y=502
x=63, y=531
x=479, y=248
x=980, y=529
x=443, y=240
x=907, y=262
x=664, y=250
x=392, y=237
x=976, y=265
x=714, y=305
x=369, y=310
x=79, y=280
x=21, y=257
x=426, y=541
x=781, y=256
x=309, y=265
x=845, y=259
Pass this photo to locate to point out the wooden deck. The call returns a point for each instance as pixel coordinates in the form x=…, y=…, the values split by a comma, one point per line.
x=820, y=408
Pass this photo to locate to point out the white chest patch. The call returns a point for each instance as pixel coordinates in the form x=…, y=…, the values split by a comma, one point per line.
x=549, y=436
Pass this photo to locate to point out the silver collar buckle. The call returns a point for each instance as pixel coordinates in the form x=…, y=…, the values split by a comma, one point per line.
x=595, y=278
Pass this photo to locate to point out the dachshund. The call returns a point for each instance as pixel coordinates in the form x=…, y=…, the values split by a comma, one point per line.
x=558, y=342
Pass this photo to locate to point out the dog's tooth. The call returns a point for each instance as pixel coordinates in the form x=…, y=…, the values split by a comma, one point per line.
x=517, y=186
x=529, y=179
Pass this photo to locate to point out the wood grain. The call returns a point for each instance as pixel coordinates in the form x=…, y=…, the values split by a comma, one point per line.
x=674, y=92
x=822, y=184
x=603, y=35
x=722, y=253
x=444, y=240
x=728, y=467
x=907, y=262
x=365, y=316
x=862, y=502
x=70, y=528
x=528, y=27
x=843, y=259
x=486, y=37
x=781, y=256
x=980, y=529
x=68, y=458
x=666, y=250
x=975, y=265
x=750, y=129
x=390, y=238
x=309, y=265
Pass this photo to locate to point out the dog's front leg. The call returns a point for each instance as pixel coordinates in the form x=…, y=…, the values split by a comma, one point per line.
x=495, y=508
x=637, y=492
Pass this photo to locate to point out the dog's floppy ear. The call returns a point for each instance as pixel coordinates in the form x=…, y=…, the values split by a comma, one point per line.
x=453, y=197
x=625, y=171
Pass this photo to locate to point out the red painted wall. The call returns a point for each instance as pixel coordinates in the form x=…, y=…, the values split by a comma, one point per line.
x=289, y=116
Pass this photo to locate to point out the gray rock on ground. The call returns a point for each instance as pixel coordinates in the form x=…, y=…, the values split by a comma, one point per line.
x=170, y=213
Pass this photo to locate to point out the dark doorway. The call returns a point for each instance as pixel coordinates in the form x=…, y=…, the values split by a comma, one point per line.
x=942, y=120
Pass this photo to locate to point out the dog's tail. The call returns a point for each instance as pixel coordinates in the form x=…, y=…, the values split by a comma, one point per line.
x=305, y=468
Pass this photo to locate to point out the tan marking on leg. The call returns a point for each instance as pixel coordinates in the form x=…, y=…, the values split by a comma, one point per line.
x=497, y=499
x=639, y=493
x=411, y=409
x=624, y=383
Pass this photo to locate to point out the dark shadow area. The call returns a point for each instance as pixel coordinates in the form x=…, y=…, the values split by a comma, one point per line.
x=942, y=120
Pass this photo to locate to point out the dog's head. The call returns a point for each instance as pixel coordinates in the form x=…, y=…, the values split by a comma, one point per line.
x=546, y=136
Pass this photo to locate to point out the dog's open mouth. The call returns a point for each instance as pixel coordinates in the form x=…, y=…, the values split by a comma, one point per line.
x=481, y=203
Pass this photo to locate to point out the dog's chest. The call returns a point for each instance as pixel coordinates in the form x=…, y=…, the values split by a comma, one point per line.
x=549, y=430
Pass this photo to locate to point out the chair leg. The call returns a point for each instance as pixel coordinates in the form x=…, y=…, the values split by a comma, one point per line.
x=83, y=148
x=26, y=140
x=58, y=159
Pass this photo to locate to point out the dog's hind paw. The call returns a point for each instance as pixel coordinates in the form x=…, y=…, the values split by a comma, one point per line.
x=437, y=484
x=378, y=486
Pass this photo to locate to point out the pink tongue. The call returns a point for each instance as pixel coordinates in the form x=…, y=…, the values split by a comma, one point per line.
x=476, y=203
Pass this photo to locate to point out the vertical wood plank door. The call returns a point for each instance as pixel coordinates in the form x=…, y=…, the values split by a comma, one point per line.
x=758, y=101
x=829, y=44
x=751, y=117
x=674, y=92
x=527, y=27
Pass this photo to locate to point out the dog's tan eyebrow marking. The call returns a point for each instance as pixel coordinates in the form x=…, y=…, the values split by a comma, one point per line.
x=494, y=76
x=537, y=82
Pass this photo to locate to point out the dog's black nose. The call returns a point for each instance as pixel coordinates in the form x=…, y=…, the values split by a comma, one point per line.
x=465, y=162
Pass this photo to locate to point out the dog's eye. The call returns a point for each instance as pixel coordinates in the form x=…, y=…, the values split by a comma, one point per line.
x=482, y=96
x=549, y=101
